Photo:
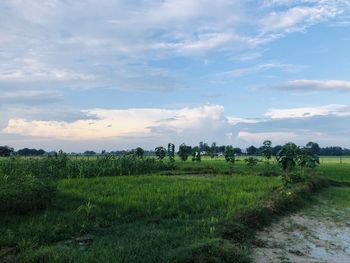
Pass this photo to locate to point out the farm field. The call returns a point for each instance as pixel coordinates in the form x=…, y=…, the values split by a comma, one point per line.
x=176, y=214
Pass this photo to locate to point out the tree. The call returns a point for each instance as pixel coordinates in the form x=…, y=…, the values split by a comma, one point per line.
x=313, y=147
x=307, y=159
x=229, y=154
x=139, y=152
x=160, y=152
x=183, y=152
x=196, y=154
x=276, y=149
x=213, y=150
x=252, y=150
x=30, y=152
x=238, y=151
x=171, y=151
x=267, y=150
x=89, y=153
x=5, y=151
x=287, y=157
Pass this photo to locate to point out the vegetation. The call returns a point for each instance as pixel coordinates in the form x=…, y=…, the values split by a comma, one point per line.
x=229, y=154
x=267, y=150
x=196, y=154
x=20, y=194
x=183, y=152
x=63, y=166
x=5, y=151
x=142, y=219
x=251, y=161
x=139, y=152
x=171, y=152
x=160, y=152
x=72, y=209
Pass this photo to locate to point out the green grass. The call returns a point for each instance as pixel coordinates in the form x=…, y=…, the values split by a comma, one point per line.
x=335, y=171
x=135, y=219
x=175, y=215
x=338, y=197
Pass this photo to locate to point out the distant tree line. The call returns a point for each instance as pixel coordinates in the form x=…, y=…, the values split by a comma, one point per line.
x=316, y=149
x=185, y=151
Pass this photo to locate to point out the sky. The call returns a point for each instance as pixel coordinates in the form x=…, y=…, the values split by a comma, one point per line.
x=116, y=74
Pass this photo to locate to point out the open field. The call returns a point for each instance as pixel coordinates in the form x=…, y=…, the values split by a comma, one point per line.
x=176, y=214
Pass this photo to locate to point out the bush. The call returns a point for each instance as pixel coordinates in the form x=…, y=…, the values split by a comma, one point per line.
x=251, y=161
x=292, y=178
x=23, y=194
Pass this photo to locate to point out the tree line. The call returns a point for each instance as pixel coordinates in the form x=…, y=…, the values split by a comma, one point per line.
x=212, y=150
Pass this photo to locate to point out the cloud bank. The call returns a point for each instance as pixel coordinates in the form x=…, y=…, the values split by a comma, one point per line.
x=134, y=127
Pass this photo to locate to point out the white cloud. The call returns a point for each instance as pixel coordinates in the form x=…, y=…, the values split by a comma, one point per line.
x=114, y=43
x=257, y=138
x=29, y=97
x=304, y=84
x=297, y=18
x=237, y=120
x=307, y=112
x=150, y=127
x=29, y=69
x=260, y=68
x=108, y=124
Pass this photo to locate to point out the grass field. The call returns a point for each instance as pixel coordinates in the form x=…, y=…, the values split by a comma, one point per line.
x=172, y=216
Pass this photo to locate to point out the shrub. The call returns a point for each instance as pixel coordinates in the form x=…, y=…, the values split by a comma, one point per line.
x=196, y=154
x=251, y=161
x=229, y=154
x=23, y=194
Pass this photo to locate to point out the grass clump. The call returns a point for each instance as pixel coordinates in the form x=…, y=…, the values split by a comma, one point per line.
x=24, y=194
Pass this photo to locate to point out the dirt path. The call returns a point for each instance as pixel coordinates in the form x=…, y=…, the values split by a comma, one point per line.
x=320, y=233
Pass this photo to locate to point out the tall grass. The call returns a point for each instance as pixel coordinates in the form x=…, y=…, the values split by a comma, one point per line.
x=66, y=167
x=21, y=194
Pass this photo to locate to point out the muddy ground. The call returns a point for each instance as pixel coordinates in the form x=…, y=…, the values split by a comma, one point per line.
x=319, y=233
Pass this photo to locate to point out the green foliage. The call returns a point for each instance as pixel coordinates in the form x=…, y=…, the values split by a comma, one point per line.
x=196, y=154
x=5, y=151
x=139, y=152
x=267, y=150
x=167, y=218
x=291, y=178
x=154, y=218
x=160, y=152
x=291, y=156
x=287, y=157
x=307, y=159
x=183, y=152
x=171, y=152
x=24, y=193
x=252, y=150
x=251, y=161
x=313, y=148
x=229, y=154
x=86, y=208
x=63, y=166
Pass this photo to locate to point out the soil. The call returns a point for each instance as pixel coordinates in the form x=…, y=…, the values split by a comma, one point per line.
x=320, y=233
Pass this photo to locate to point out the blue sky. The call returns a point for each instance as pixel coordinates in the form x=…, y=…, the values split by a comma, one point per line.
x=78, y=75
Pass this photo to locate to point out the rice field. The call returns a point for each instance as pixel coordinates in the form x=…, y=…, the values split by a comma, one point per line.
x=175, y=214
